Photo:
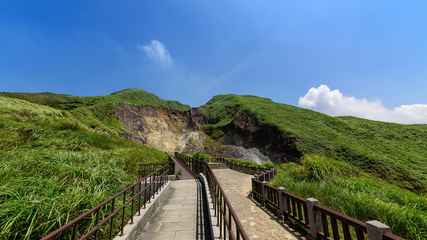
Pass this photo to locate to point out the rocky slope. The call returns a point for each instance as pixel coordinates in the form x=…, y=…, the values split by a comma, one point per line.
x=172, y=130
x=162, y=128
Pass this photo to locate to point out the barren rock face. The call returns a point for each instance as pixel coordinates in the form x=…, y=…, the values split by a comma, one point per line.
x=180, y=131
x=164, y=129
x=246, y=132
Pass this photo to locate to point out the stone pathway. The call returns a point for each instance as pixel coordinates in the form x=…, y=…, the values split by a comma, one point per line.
x=256, y=222
x=176, y=219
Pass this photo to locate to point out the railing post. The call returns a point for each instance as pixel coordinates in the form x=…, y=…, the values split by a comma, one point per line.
x=376, y=230
x=139, y=196
x=264, y=192
x=171, y=166
x=111, y=219
x=132, y=204
x=283, y=204
x=313, y=219
x=253, y=193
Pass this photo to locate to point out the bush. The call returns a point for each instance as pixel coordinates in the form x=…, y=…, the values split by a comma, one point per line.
x=202, y=156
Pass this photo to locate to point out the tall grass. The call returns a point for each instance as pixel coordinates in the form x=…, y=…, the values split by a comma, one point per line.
x=360, y=195
x=41, y=190
x=54, y=165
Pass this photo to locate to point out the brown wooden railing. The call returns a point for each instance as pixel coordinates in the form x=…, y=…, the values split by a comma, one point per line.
x=335, y=224
x=318, y=221
x=227, y=219
x=109, y=217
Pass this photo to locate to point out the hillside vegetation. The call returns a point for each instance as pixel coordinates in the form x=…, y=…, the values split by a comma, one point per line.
x=126, y=96
x=367, y=169
x=61, y=155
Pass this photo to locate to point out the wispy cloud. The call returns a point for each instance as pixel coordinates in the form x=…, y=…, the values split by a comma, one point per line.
x=335, y=103
x=157, y=52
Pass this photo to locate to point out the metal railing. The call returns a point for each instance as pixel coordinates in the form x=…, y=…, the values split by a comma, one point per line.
x=204, y=228
x=204, y=221
x=227, y=220
x=239, y=167
x=108, y=218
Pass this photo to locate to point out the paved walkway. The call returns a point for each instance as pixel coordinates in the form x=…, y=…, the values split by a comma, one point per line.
x=257, y=223
x=176, y=219
x=181, y=171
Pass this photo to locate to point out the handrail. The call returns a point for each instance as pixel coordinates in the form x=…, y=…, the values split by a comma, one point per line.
x=228, y=205
x=241, y=168
x=204, y=213
x=181, y=160
x=225, y=213
x=290, y=207
x=91, y=223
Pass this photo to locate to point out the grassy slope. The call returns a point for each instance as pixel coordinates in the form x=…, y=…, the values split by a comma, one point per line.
x=56, y=163
x=365, y=168
x=67, y=102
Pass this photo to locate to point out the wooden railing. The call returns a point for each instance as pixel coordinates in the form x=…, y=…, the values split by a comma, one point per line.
x=335, y=224
x=318, y=221
x=108, y=219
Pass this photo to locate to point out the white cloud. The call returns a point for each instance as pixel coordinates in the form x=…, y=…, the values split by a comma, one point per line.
x=333, y=102
x=157, y=51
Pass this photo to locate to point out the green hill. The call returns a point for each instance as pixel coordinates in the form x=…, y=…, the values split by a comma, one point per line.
x=129, y=96
x=368, y=169
x=61, y=155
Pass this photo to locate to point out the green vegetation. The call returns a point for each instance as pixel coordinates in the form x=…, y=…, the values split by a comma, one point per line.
x=250, y=164
x=126, y=96
x=367, y=169
x=140, y=97
x=57, y=163
x=344, y=187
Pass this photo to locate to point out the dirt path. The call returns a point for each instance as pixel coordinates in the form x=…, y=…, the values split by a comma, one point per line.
x=256, y=222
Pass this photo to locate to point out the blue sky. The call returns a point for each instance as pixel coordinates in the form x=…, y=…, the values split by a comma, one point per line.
x=190, y=50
